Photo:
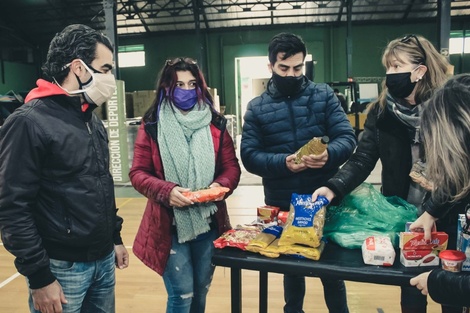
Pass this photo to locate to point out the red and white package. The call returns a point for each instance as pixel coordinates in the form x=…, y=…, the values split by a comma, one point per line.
x=378, y=250
x=237, y=238
x=416, y=251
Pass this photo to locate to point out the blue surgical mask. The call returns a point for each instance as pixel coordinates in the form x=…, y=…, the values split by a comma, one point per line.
x=184, y=99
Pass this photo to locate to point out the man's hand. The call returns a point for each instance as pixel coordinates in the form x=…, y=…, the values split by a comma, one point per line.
x=122, y=256
x=49, y=299
x=421, y=282
x=315, y=161
x=295, y=168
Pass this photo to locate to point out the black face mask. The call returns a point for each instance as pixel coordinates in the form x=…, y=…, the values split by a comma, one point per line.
x=399, y=84
x=288, y=85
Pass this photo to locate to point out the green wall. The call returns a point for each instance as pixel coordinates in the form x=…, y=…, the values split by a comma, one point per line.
x=17, y=77
x=327, y=44
x=216, y=52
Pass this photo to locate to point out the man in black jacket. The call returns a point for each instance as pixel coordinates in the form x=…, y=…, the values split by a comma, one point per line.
x=286, y=116
x=57, y=207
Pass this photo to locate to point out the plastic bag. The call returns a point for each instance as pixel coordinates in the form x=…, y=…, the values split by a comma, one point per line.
x=366, y=212
x=237, y=238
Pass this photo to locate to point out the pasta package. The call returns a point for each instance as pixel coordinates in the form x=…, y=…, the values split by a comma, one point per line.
x=305, y=221
x=301, y=251
x=271, y=251
x=315, y=146
x=265, y=238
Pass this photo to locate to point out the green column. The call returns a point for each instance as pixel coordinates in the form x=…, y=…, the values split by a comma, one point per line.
x=117, y=135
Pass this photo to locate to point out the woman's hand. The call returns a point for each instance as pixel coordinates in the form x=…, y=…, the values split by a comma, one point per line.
x=421, y=282
x=323, y=191
x=427, y=223
x=177, y=199
x=213, y=185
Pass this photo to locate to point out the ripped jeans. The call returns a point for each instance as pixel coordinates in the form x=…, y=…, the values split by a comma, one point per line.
x=188, y=273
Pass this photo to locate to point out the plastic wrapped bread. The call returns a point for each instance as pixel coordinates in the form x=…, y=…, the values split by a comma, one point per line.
x=378, y=250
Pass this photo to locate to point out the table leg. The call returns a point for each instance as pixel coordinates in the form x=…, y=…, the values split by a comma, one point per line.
x=236, y=288
x=263, y=292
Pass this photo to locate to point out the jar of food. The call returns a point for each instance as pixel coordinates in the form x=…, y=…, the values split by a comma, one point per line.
x=452, y=260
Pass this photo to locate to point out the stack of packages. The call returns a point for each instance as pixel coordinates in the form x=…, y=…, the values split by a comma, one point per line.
x=415, y=251
x=301, y=234
x=242, y=235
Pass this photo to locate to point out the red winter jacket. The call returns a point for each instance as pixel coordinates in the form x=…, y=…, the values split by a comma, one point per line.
x=153, y=240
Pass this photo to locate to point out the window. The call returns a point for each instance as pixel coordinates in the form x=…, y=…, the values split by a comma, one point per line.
x=131, y=56
x=458, y=43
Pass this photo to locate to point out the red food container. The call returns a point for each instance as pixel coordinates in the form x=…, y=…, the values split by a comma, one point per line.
x=267, y=213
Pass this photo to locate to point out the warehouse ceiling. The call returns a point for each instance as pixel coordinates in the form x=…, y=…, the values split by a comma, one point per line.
x=36, y=21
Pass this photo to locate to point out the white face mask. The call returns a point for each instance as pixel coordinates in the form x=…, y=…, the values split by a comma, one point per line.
x=97, y=91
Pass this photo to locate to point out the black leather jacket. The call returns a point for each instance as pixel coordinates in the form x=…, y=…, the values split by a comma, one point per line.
x=56, y=191
x=383, y=138
x=449, y=288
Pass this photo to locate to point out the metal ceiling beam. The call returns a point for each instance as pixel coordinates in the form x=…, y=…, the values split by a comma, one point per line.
x=139, y=14
x=408, y=9
x=340, y=11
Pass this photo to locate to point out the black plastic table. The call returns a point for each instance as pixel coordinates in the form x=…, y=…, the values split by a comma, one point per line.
x=335, y=262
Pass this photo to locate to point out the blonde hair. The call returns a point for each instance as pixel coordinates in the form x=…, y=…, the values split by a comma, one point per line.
x=418, y=50
x=445, y=125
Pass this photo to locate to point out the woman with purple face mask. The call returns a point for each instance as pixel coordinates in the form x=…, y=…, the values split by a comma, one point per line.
x=182, y=145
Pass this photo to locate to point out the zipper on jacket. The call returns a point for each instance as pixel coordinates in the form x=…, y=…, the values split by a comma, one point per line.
x=88, y=127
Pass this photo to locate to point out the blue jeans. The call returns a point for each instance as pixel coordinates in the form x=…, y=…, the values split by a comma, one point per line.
x=334, y=293
x=188, y=273
x=88, y=286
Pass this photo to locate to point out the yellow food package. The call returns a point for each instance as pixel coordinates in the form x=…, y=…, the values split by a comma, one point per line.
x=303, y=251
x=271, y=251
x=305, y=221
x=267, y=235
x=315, y=146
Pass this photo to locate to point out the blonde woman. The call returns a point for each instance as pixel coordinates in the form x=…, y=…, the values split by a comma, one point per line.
x=445, y=125
x=414, y=70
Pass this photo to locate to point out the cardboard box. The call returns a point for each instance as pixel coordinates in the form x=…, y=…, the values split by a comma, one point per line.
x=142, y=101
x=267, y=213
x=215, y=98
x=415, y=251
x=415, y=241
x=415, y=258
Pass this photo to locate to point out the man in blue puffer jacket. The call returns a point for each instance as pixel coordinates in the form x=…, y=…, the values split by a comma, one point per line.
x=286, y=116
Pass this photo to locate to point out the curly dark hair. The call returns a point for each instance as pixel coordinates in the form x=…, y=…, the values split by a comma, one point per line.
x=289, y=43
x=75, y=41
